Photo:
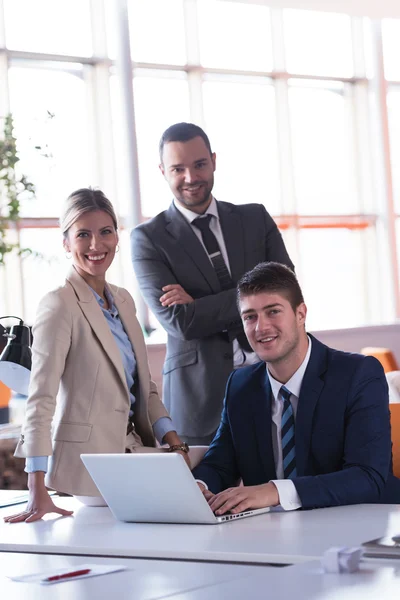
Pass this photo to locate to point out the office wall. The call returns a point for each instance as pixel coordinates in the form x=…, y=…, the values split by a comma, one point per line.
x=349, y=340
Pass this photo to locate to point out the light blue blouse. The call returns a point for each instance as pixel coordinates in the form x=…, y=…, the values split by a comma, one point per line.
x=162, y=426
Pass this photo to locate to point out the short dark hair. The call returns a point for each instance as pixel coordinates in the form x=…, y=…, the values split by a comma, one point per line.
x=182, y=132
x=271, y=277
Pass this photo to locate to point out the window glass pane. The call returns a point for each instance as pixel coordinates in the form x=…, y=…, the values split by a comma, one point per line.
x=49, y=26
x=391, y=47
x=64, y=136
x=318, y=43
x=245, y=141
x=322, y=151
x=397, y=242
x=157, y=31
x=393, y=100
x=45, y=269
x=325, y=275
x=168, y=97
x=234, y=35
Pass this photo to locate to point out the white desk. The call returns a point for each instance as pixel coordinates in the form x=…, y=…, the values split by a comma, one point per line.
x=305, y=582
x=290, y=537
x=144, y=579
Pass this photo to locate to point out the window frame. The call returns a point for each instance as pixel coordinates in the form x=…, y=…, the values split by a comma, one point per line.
x=98, y=70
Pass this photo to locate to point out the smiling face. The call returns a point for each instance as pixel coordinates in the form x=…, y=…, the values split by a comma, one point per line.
x=188, y=167
x=275, y=331
x=92, y=239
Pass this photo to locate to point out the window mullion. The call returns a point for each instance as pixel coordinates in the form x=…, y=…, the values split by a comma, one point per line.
x=386, y=228
x=128, y=184
x=283, y=132
x=98, y=20
x=195, y=77
x=2, y=26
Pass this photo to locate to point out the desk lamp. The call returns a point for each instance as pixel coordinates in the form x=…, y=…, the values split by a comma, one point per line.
x=16, y=358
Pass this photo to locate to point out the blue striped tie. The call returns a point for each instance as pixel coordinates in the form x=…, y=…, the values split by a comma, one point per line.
x=287, y=436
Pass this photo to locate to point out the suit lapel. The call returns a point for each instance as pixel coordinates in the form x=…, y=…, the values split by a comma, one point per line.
x=260, y=397
x=179, y=228
x=310, y=392
x=232, y=230
x=98, y=323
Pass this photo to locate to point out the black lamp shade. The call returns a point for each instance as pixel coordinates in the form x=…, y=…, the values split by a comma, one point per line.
x=16, y=360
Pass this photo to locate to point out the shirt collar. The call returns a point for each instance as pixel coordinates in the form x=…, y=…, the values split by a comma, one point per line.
x=190, y=216
x=294, y=383
x=113, y=309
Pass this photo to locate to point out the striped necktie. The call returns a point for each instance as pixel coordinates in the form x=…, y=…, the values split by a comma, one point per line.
x=214, y=252
x=221, y=270
x=287, y=436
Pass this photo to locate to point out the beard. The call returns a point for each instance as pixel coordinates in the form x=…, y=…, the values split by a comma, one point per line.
x=199, y=199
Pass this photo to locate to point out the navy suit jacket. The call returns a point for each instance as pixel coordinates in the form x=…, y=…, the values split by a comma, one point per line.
x=343, y=443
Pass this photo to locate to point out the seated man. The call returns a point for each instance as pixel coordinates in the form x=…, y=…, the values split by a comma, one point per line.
x=308, y=426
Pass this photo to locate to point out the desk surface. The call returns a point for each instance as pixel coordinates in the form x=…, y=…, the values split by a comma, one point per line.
x=305, y=582
x=143, y=579
x=280, y=537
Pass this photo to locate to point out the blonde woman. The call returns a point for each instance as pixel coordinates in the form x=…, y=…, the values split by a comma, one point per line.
x=90, y=389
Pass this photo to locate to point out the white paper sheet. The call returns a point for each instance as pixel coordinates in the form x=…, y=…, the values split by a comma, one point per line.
x=95, y=569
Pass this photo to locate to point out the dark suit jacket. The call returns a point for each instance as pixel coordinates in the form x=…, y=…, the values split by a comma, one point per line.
x=199, y=359
x=343, y=446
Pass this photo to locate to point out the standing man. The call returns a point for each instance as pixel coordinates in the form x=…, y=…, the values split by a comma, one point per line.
x=187, y=261
x=309, y=426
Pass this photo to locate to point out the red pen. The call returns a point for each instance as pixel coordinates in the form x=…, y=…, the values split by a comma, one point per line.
x=68, y=575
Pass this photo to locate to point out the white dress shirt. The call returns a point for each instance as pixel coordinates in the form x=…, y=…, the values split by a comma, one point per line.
x=288, y=496
x=240, y=357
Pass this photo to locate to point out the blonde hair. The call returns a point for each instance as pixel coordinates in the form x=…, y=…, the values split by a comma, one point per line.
x=83, y=201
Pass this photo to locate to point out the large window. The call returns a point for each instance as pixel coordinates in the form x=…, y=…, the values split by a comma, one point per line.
x=301, y=107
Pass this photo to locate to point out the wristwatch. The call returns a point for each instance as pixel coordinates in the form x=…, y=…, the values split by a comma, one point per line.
x=179, y=448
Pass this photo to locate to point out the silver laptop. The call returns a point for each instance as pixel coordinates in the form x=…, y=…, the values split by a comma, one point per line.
x=152, y=488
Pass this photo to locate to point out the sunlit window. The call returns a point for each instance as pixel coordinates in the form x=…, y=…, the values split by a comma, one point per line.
x=327, y=273
x=44, y=269
x=391, y=48
x=49, y=26
x=318, y=43
x=324, y=167
x=169, y=101
x=234, y=35
x=393, y=100
x=294, y=105
x=246, y=148
x=56, y=120
x=157, y=31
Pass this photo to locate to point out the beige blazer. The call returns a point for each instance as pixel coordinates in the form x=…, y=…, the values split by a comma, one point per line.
x=78, y=397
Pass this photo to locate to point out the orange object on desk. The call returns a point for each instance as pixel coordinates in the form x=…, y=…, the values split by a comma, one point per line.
x=384, y=355
x=5, y=395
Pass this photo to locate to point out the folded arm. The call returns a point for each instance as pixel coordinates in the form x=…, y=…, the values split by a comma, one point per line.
x=194, y=320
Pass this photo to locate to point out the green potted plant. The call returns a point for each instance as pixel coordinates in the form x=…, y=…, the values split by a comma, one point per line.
x=14, y=187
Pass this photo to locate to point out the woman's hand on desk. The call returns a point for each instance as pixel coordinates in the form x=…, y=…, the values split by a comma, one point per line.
x=39, y=503
x=239, y=499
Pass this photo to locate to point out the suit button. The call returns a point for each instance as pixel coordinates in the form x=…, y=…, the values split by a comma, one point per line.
x=21, y=439
x=228, y=355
